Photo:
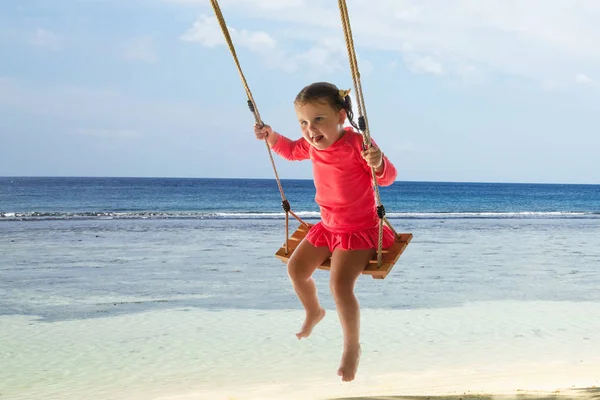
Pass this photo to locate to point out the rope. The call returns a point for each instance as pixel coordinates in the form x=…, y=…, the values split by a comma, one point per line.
x=363, y=120
x=252, y=105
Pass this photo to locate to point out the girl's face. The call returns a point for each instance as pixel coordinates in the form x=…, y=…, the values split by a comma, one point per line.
x=320, y=123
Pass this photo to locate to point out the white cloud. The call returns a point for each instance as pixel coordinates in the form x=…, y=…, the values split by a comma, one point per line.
x=322, y=56
x=207, y=31
x=426, y=64
x=140, y=49
x=583, y=79
x=44, y=38
x=260, y=4
x=544, y=41
x=326, y=55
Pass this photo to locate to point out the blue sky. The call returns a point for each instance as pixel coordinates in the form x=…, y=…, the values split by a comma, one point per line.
x=461, y=90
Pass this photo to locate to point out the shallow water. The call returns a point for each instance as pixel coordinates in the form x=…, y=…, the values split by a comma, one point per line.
x=239, y=353
x=79, y=269
x=150, y=308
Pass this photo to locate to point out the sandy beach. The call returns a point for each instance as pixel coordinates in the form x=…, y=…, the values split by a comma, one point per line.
x=589, y=393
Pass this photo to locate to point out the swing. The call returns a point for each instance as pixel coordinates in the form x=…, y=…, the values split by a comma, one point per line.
x=388, y=256
x=381, y=264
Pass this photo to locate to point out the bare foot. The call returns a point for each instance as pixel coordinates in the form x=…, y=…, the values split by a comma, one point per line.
x=309, y=323
x=349, y=363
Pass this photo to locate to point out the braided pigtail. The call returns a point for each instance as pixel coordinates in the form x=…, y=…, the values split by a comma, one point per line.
x=346, y=104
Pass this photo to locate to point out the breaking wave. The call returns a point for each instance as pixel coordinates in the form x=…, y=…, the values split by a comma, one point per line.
x=86, y=215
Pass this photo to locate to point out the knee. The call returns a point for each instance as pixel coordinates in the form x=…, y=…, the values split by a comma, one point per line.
x=341, y=288
x=297, y=271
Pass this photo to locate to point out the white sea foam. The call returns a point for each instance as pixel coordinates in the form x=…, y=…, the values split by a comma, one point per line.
x=38, y=215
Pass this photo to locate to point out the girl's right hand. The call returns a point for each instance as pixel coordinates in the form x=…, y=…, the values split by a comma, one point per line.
x=262, y=132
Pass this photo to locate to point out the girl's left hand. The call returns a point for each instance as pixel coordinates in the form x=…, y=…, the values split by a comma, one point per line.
x=373, y=157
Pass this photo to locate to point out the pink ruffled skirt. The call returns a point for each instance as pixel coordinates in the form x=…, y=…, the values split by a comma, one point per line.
x=319, y=236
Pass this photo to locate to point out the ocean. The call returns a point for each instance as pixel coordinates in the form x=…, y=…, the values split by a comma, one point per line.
x=119, y=198
x=157, y=288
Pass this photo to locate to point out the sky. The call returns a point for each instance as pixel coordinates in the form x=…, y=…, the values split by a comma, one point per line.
x=455, y=90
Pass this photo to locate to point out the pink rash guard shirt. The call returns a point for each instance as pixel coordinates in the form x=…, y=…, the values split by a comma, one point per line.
x=343, y=183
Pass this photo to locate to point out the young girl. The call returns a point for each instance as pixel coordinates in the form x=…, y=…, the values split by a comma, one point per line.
x=348, y=230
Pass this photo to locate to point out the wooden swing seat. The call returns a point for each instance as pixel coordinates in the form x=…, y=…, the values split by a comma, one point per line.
x=389, y=256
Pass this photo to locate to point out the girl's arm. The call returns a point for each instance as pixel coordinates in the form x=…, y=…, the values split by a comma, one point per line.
x=386, y=173
x=292, y=150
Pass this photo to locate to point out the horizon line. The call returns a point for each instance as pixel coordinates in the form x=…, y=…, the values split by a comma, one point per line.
x=282, y=179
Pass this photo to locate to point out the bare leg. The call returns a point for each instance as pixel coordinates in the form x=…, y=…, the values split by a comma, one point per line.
x=301, y=265
x=346, y=267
